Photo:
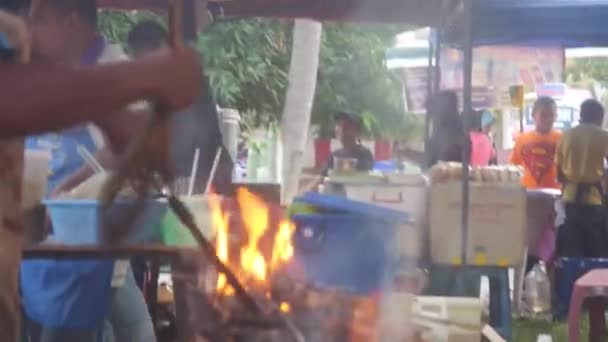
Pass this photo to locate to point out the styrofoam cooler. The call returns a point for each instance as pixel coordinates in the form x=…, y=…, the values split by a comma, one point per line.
x=435, y=332
x=406, y=193
x=453, y=310
x=448, y=319
x=403, y=192
x=348, y=244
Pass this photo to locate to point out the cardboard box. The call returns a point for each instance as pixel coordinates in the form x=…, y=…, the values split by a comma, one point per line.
x=497, y=224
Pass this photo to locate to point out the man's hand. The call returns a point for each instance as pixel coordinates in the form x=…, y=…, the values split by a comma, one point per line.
x=60, y=96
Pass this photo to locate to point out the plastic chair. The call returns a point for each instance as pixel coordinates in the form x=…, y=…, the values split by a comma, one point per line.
x=593, y=288
x=567, y=271
x=463, y=278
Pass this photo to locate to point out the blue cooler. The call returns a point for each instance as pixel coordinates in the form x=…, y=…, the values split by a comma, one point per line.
x=346, y=244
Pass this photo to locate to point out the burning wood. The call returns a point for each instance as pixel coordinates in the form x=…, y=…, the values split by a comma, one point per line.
x=286, y=310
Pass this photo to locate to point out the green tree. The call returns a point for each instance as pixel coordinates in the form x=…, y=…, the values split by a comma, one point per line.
x=585, y=69
x=353, y=77
x=589, y=73
x=246, y=62
x=115, y=25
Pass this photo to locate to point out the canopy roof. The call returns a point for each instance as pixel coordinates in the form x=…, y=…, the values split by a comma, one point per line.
x=571, y=23
x=415, y=12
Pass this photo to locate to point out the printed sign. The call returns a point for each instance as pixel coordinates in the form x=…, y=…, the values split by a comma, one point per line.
x=499, y=67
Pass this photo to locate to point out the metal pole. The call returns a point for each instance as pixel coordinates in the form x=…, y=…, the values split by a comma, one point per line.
x=467, y=47
x=429, y=70
x=429, y=92
x=437, y=81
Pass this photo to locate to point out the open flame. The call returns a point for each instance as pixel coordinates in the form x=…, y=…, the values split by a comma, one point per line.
x=256, y=220
x=282, y=249
x=220, y=223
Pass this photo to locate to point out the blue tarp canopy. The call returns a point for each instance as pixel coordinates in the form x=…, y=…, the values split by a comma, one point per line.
x=570, y=23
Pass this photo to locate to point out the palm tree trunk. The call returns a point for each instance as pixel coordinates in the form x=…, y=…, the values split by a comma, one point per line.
x=295, y=121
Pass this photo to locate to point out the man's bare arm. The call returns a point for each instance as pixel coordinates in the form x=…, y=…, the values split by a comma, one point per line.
x=35, y=99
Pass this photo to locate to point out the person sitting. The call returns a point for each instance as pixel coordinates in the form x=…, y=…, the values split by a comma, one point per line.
x=580, y=164
x=348, y=130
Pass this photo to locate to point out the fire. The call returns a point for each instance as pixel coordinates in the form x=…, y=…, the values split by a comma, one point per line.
x=220, y=224
x=256, y=220
x=282, y=249
x=255, y=217
x=285, y=307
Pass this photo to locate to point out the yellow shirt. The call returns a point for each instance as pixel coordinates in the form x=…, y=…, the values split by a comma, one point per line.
x=580, y=157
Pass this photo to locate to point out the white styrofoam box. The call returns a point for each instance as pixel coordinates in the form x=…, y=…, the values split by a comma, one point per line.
x=453, y=310
x=497, y=224
x=409, y=195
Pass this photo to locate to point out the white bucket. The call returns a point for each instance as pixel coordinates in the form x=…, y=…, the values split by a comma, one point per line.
x=230, y=130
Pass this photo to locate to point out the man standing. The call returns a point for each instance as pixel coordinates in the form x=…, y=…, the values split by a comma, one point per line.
x=446, y=141
x=535, y=150
x=196, y=127
x=64, y=32
x=59, y=97
x=580, y=163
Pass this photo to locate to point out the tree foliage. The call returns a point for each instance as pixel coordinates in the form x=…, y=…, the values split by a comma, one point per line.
x=247, y=62
x=584, y=69
x=116, y=25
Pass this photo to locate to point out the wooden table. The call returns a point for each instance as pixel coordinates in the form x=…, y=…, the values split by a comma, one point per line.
x=177, y=256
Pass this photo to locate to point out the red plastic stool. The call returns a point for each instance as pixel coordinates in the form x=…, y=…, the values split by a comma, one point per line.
x=592, y=287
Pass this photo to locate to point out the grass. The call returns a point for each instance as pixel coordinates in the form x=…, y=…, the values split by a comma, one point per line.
x=527, y=330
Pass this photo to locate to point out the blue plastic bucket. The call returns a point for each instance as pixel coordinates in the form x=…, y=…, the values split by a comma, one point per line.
x=79, y=221
x=348, y=245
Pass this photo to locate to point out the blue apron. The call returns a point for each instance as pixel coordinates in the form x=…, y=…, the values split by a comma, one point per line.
x=67, y=293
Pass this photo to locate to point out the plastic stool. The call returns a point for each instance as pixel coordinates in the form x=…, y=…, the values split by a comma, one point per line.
x=567, y=271
x=458, y=281
x=593, y=287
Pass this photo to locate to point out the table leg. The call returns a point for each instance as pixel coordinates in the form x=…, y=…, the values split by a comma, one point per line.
x=519, y=275
x=185, y=331
x=152, y=292
x=597, y=319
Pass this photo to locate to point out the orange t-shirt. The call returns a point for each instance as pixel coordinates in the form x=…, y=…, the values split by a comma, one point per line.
x=535, y=152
